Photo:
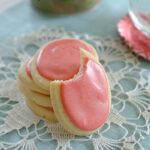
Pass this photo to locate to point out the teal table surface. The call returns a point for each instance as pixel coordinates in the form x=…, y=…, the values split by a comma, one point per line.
x=101, y=21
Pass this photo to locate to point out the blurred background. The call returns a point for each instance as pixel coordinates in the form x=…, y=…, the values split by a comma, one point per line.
x=22, y=18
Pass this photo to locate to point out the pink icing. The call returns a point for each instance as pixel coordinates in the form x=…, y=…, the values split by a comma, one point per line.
x=28, y=68
x=86, y=98
x=47, y=108
x=60, y=60
x=134, y=37
x=41, y=93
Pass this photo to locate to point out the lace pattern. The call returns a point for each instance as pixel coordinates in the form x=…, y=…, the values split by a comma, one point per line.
x=129, y=117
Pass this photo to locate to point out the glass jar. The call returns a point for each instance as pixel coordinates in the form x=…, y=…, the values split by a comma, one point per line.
x=64, y=6
x=139, y=11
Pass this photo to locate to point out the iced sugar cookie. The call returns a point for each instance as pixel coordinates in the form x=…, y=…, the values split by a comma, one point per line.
x=135, y=39
x=82, y=104
x=44, y=112
x=24, y=75
x=38, y=98
x=58, y=60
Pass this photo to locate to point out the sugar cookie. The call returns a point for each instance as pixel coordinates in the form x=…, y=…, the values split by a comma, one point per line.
x=135, y=39
x=43, y=112
x=38, y=98
x=25, y=77
x=82, y=104
x=58, y=60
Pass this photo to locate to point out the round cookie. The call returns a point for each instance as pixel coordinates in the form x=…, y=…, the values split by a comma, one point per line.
x=134, y=38
x=58, y=60
x=43, y=112
x=38, y=98
x=24, y=75
x=82, y=104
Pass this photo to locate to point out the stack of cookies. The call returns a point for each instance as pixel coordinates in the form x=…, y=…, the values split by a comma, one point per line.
x=64, y=82
x=37, y=98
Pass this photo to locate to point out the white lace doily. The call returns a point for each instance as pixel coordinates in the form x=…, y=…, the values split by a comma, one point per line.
x=129, y=118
